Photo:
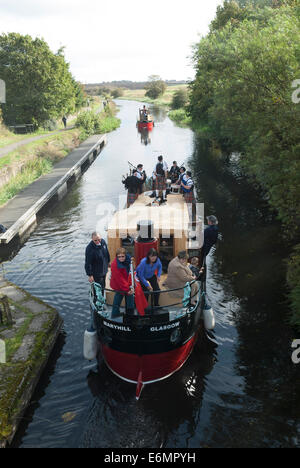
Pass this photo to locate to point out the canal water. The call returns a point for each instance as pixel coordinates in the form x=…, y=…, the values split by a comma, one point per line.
x=239, y=388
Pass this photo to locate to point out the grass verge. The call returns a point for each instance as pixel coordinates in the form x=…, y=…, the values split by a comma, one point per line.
x=36, y=159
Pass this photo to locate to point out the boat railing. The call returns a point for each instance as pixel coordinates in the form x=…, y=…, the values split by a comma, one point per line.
x=188, y=300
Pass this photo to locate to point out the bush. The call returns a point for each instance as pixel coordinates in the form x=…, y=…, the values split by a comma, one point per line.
x=117, y=93
x=180, y=99
x=50, y=125
x=180, y=117
x=88, y=121
x=93, y=123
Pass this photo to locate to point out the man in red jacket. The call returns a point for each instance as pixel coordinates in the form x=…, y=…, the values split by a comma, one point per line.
x=120, y=277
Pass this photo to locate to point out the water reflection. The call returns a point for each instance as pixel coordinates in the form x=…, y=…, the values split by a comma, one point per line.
x=159, y=416
x=159, y=113
x=145, y=135
x=249, y=265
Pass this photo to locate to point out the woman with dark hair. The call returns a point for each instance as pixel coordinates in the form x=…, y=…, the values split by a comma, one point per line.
x=120, y=272
x=149, y=273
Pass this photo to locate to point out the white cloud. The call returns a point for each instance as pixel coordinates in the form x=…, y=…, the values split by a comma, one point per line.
x=107, y=40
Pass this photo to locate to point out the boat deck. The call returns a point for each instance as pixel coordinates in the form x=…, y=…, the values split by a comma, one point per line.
x=167, y=299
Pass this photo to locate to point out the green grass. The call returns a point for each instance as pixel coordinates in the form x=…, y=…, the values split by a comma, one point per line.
x=180, y=117
x=36, y=159
x=33, y=148
x=33, y=170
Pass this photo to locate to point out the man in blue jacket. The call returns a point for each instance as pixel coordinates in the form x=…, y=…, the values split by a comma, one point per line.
x=97, y=260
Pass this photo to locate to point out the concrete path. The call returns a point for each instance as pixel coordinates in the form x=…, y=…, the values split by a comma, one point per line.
x=17, y=206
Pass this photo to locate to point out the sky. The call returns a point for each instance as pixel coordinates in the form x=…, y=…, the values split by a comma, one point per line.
x=114, y=39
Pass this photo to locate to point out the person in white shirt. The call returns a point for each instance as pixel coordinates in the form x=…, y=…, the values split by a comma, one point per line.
x=141, y=174
x=187, y=186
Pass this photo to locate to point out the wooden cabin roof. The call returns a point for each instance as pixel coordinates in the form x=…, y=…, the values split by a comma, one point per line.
x=172, y=216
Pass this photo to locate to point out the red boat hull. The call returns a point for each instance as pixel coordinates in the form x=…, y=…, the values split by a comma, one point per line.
x=148, y=125
x=147, y=368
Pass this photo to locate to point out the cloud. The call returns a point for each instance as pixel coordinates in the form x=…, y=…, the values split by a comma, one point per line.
x=107, y=40
x=36, y=8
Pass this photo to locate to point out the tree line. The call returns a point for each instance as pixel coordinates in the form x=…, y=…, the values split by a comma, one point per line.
x=242, y=98
x=39, y=84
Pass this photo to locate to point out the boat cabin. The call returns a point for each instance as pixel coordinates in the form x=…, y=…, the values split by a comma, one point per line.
x=146, y=225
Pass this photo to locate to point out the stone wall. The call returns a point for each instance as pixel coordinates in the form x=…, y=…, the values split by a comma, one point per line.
x=25, y=347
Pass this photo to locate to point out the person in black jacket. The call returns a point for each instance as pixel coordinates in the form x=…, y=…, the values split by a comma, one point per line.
x=210, y=234
x=174, y=173
x=97, y=260
x=133, y=184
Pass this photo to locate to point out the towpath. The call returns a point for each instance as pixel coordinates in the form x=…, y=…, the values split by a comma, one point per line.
x=13, y=146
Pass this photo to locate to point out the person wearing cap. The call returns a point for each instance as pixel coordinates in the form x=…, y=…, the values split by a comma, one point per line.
x=210, y=234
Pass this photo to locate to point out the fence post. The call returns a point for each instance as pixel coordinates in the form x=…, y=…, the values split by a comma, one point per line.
x=5, y=314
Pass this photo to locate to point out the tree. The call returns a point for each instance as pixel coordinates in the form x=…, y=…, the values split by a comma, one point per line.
x=155, y=87
x=39, y=85
x=241, y=99
x=117, y=93
x=180, y=99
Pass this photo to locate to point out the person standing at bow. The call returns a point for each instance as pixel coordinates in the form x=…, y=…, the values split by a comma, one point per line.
x=120, y=273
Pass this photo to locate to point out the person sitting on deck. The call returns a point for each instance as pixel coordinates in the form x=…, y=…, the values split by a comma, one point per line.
x=133, y=185
x=145, y=113
x=179, y=274
x=120, y=274
x=194, y=267
x=174, y=173
x=146, y=272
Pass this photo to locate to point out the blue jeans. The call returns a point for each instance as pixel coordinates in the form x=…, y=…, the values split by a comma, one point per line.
x=117, y=302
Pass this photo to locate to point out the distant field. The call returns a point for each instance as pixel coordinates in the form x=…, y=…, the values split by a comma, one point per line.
x=139, y=95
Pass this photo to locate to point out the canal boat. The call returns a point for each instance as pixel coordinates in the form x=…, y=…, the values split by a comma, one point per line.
x=148, y=347
x=145, y=119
